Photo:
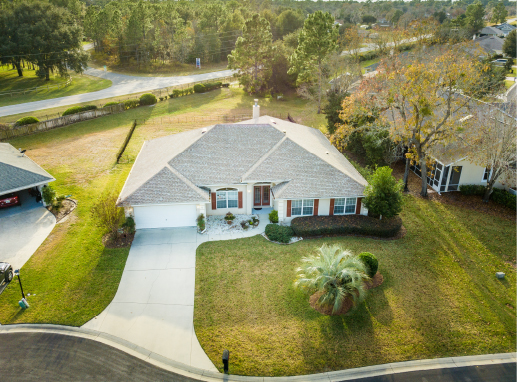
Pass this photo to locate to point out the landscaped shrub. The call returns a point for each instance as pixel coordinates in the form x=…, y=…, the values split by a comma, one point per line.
x=383, y=194
x=346, y=224
x=26, y=121
x=273, y=216
x=129, y=225
x=213, y=85
x=472, y=189
x=111, y=103
x=147, y=99
x=503, y=197
x=201, y=222
x=176, y=93
x=229, y=216
x=78, y=109
x=49, y=195
x=199, y=88
x=280, y=233
x=131, y=103
x=371, y=262
x=106, y=213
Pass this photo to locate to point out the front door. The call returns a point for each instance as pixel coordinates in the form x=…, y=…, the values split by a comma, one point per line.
x=261, y=196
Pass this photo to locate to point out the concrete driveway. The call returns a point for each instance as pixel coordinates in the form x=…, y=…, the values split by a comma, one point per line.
x=154, y=304
x=23, y=229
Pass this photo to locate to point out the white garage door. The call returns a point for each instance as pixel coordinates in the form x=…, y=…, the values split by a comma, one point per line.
x=181, y=215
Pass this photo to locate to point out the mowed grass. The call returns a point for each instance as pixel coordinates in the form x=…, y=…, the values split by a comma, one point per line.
x=440, y=298
x=10, y=82
x=72, y=275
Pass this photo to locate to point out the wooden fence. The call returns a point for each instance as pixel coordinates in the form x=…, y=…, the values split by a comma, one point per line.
x=59, y=122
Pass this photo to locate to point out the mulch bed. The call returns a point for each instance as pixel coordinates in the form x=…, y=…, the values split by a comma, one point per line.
x=348, y=304
x=123, y=240
x=400, y=234
x=68, y=205
x=472, y=202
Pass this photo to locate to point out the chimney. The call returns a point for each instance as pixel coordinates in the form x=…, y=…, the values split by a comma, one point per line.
x=256, y=110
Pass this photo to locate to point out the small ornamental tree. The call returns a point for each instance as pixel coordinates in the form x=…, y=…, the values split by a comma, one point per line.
x=49, y=195
x=106, y=213
x=383, y=196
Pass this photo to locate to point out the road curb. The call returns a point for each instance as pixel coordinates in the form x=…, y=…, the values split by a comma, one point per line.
x=205, y=375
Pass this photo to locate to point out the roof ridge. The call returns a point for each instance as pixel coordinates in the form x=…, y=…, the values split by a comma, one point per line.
x=208, y=129
x=263, y=158
x=185, y=180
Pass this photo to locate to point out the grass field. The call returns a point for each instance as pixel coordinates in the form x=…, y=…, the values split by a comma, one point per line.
x=440, y=297
x=9, y=81
x=154, y=69
x=72, y=275
x=508, y=83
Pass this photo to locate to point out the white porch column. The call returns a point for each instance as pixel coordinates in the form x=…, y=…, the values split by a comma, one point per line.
x=281, y=211
x=249, y=199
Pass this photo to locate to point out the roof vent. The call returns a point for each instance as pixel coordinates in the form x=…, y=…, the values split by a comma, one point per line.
x=203, y=131
x=272, y=121
x=326, y=152
x=256, y=110
x=285, y=132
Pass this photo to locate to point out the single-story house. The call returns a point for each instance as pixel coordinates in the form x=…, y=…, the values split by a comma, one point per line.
x=491, y=31
x=490, y=44
x=20, y=173
x=505, y=28
x=258, y=164
x=453, y=168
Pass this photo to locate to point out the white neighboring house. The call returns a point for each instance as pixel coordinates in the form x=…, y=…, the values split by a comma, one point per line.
x=453, y=168
x=20, y=173
x=261, y=163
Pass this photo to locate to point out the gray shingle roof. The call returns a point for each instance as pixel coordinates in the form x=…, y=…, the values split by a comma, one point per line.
x=264, y=149
x=18, y=172
x=490, y=44
x=490, y=31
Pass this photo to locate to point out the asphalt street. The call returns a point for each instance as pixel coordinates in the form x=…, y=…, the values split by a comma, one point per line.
x=56, y=357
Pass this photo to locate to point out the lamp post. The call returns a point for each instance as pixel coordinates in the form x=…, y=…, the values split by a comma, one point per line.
x=17, y=273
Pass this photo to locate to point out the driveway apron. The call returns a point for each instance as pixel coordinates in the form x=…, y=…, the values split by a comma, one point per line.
x=154, y=304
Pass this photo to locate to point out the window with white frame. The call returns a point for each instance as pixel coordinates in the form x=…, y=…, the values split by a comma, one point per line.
x=302, y=207
x=486, y=174
x=227, y=198
x=344, y=206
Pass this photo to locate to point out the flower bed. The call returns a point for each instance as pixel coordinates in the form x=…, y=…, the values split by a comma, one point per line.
x=218, y=225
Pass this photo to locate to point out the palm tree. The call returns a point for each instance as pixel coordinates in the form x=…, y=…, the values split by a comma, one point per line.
x=335, y=272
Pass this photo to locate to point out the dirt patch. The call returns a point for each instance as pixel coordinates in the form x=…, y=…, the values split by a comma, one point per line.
x=471, y=202
x=374, y=282
x=67, y=206
x=122, y=240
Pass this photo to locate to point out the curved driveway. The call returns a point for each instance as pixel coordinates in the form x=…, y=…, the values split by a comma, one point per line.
x=122, y=85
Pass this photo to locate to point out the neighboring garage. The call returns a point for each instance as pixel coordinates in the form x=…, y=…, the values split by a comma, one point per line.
x=171, y=216
x=20, y=173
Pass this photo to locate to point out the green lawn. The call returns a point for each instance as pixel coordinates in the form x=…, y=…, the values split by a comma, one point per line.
x=72, y=275
x=440, y=298
x=9, y=81
x=364, y=64
x=508, y=83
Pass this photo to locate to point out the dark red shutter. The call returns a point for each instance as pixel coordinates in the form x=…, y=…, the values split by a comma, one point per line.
x=316, y=205
x=288, y=209
x=331, y=208
x=214, y=201
x=358, y=206
x=240, y=199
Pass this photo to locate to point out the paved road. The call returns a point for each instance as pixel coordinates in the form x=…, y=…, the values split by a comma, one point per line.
x=504, y=372
x=122, y=85
x=55, y=357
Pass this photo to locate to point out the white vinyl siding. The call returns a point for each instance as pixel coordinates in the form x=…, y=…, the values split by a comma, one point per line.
x=302, y=207
x=345, y=206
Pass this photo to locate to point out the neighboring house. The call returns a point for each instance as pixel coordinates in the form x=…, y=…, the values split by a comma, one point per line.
x=490, y=44
x=20, y=173
x=505, y=28
x=453, y=168
x=256, y=164
x=491, y=31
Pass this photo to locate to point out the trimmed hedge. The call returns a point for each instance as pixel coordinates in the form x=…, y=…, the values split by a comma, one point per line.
x=199, y=88
x=111, y=103
x=131, y=103
x=472, y=189
x=26, y=121
x=504, y=197
x=148, y=99
x=79, y=109
x=346, y=224
x=280, y=233
x=499, y=196
x=371, y=263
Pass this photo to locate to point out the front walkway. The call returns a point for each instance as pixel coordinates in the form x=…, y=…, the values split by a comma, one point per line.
x=154, y=304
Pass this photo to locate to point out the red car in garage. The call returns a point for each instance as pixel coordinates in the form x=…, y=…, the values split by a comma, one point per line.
x=9, y=200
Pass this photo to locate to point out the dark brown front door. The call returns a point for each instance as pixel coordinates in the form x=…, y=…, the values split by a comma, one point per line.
x=261, y=196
